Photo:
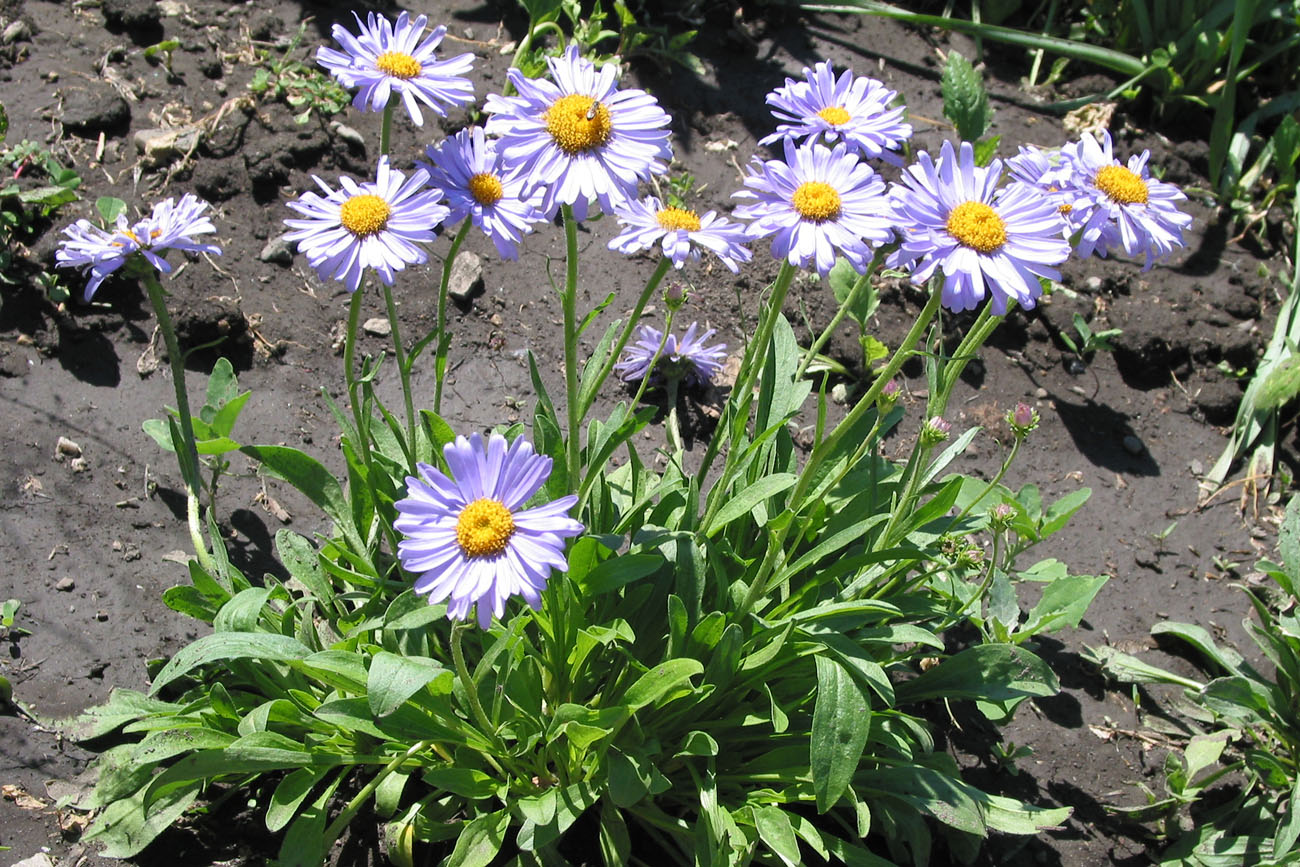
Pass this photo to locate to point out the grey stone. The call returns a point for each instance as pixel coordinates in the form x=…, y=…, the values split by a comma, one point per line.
x=466, y=276
x=377, y=327
x=37, y=860
x=277, y=252
x=135, y=15
x=65, y=585
x=1133, y=445
x=18, y=31
x=348, y=135
x=158, y=147
x=839, y=393
x=94, y=108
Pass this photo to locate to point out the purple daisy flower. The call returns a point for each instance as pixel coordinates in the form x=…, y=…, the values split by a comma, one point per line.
x=579, y=137
x=817, y=203
x=469, y=538
x=681, y=233
x=1048, y=175
x=467, y=167
x=384, y=59
x=849, y=109
x=172, y=225
x=953, y=217
x=369, y=225
x=1122, y=206
x=687, y=359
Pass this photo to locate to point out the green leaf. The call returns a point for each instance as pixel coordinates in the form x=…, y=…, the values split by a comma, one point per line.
x=1063, y=603
x=242, y=612
x=776, y=832
x=126, y=826
x=109, y=208
x=310, y=477
x=300, y=559
x=1281, y=385
x=986, y=149
x=617, y=572
x=466, y=782
x=965, y=102
x=289, y=795
x=744, y=500
x=840, y=725
x=225, y=646
x=4, y=122
x=479, y=841
x=393, y=679
x=660, y=681
x=987, y=672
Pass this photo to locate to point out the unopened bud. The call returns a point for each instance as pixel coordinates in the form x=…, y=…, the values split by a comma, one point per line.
x=1022, y=420
x=936, y=430
x=674, y=295
x=1001, y=515
x=889, y=395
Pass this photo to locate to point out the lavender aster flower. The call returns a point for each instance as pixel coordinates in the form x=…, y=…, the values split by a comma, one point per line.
x=816, y=203
x=853, y=110
x=1048, y=175
x=687, y=359
x=468, y=168
x=172, y=225
x=579, y=137
x=368, y=225
x=469, y=538
x=382, y=60
x=682, y=233
x=1122, y=206
x=952, y=217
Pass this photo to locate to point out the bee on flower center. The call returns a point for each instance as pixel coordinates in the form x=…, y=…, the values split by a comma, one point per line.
x=578, y=123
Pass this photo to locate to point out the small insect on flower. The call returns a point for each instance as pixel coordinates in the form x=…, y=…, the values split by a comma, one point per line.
x=468, y=168
x=1122, y=206
x=687, y=359
x=952, y=217
x=579, y=137
x=383, y=59
x=468, y=537
x=172, y=225
x=681, y=233
x=368, y=225
x=817, y=203
x=853, y=110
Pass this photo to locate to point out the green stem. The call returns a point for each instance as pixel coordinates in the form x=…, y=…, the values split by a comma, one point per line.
x=737, y=410
x=569, y=300
x=341, y=821
x=863, y=281
x=758, y=588
x=404, y=374
x=187, y=454
x=993, y=482
x=628, y=327
x=673, y=431
x=467, y=683
x=386, y=126
x=350, y=366
x=443, y=345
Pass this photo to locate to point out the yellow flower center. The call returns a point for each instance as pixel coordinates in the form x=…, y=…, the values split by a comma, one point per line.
x=672, y=219
x=1122, y=185
x=1065, y=209
x=577, y=123
x=978, y=226
x=484, y=528
x=816, y=201
x=835, y=115
x=486, y=188
x=398, y=64
x=364, y=215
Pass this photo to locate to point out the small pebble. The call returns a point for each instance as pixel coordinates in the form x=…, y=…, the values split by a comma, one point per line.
x=66, y=448
x=101, y=615
x=1040, y=393
x=1133, y=445
x=1198, y=468
x=378, y=327
x=65, y=585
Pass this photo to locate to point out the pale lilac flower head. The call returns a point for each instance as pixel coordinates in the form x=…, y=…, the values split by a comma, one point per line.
x=853, y=110
x=383, y=59
x=936, y=430
x=469, y=170
x=469, y=538
x=1049, y=175
x=688, y=359
x=680, y=232
x=579, y=137
x=815, y=204
x=1122, y=206
x=374, y=225
x=173, y=225
x=952, y=217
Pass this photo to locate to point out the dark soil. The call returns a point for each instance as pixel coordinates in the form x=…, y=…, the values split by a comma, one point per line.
x=92, y=543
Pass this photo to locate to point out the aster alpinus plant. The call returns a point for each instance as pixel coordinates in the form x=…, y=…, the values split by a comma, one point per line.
x=720, y=660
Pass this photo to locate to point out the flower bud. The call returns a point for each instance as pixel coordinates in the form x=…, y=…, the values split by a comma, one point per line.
x=674, y=296
x=1022, y=420
x=889, y=395
x=935, y=431
x=1001, y=515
